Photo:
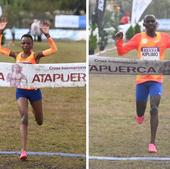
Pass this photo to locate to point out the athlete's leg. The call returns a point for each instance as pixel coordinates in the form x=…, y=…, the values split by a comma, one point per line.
x=154, y=104
x=35, y=98
x=155, y=97
x=23, y=110
x=142, y=93
x=141, y=107
x=38, y=111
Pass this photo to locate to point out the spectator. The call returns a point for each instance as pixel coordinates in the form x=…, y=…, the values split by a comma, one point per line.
x=13, y=34
x=35, y=30
x=125, y=19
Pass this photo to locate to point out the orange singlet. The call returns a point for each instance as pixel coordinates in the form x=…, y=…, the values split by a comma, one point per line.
x=148, y=48
x=30, y=59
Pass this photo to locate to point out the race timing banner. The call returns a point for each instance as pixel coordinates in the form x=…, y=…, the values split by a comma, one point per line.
x=124, y=66
x=42, y=75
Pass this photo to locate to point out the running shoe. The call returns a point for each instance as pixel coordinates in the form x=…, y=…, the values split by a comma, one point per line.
x=152, y=148
x=139, y=119
x=23, y=155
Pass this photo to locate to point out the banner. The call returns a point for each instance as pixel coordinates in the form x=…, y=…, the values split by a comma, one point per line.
x=42, y=75
x=123, y=66
x=66, y=21
x=82, y=22
x=1, y=11
x=100, y=9
x=70, y=21
x=138, y=8
x=163, y=24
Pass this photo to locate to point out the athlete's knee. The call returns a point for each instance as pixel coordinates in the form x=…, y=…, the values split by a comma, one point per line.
x=154, y=110
x=24, y=119
x=154, y=104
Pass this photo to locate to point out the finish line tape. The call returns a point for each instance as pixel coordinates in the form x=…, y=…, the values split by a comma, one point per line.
x=42, y=75
x=124, y=66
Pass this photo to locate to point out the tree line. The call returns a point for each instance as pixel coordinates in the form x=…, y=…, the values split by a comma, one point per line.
x=21, y=12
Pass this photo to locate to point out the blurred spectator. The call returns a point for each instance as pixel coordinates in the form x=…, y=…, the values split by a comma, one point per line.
x=35, y=30
x=13, y=34
x=125, y=19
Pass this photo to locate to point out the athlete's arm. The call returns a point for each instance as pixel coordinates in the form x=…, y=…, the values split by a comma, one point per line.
x=51, y=42
x=53, y=47
x=167, y=39
x=4, y=51
x=123, y=48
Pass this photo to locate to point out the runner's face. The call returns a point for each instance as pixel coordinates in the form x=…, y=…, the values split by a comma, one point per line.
x=26, y=44
x=150, y=24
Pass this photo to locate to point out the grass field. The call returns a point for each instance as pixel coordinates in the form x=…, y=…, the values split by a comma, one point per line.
x=64, y=125
x=113, y=130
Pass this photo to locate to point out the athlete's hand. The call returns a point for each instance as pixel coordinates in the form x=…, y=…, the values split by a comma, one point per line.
x=3, y=23
x=44, y=27
x=119, y=35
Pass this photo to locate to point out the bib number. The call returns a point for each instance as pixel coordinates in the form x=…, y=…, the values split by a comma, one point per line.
x=150, y=53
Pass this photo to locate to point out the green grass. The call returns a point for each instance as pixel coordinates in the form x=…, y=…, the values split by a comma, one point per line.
x=68, y=52
x=129, y=165
x=41, y=163
x=64, y=125
x=113, y=131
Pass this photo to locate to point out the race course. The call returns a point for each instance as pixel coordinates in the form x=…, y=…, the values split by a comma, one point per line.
x=115, y=138
x=64, y=128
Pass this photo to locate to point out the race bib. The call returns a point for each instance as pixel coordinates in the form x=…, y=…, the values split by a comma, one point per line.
x=150, y=53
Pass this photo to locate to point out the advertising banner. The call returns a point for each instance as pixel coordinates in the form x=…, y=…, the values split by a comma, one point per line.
x=42, y=75
x=66, y=21
x=109, y=65
x=138, y=7
x=100, y=9
x=70, y=21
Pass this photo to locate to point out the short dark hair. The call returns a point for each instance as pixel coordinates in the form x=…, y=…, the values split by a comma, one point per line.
x=27, y=36
x=149, y=15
